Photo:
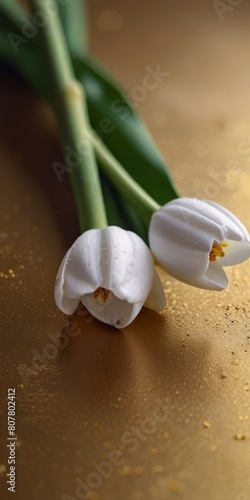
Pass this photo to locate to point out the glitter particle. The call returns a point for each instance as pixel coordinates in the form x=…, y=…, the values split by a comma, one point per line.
x=139, y=469
x=158, y=468
x=126, y=470
x=174, y=485
x=213, y=447
x=239, y=437
x=153, y=451
x=207, y=424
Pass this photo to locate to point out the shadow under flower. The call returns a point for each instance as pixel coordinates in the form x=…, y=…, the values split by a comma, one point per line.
x=147, y=359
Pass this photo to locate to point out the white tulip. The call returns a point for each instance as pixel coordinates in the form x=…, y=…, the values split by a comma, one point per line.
x=111, y=271
x=192, y=239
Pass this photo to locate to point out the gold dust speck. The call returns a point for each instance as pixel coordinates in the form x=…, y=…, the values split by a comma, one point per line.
x=158, y=468
x=213, y=447
x=174, y=485
x=126, y=470
x=207, y=424
x=239, y=437
x=153, y=451
x=2, y=468
x=139, y=469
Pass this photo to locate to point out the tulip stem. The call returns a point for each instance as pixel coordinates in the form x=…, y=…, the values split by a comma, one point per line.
x=74, y=21
x=71, y=112
x=131, y=191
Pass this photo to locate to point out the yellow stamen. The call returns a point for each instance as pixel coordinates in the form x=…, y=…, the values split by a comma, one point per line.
x=216, y=251
x=103, y=292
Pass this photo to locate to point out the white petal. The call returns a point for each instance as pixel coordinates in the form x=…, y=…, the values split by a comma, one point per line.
x=204, y=216
x=186, y=227
x=65, y=304
x=115, y=255
x=213, y=279
x=136, y=260
x=236, y=230
x=156, y=300
x=80, y=269
x=200, y=210
x=235, y=253
x=118, y=313
x=216, y=213
x=180, y=261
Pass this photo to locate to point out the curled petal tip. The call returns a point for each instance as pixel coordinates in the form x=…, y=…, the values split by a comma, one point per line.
x=156, y=301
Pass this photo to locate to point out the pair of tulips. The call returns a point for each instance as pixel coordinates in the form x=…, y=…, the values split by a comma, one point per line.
x=111, y=271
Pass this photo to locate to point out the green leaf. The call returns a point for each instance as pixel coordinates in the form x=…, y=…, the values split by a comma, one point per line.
x=123, y=131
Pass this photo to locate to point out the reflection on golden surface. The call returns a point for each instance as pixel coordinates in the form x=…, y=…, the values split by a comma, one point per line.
x=165, y=403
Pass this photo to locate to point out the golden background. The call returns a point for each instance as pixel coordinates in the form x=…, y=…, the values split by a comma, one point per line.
x=81, y=385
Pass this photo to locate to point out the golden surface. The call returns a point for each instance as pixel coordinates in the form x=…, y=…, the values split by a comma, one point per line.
x=179, y=380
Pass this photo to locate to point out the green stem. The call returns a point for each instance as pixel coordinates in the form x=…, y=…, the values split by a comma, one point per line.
x=132, y=192
x=71, y=111
x=74, y=21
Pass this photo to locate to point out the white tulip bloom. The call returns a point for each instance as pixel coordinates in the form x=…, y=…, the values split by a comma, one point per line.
x=192, y=239
x=111, y=271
